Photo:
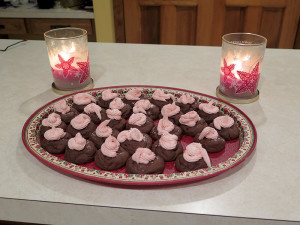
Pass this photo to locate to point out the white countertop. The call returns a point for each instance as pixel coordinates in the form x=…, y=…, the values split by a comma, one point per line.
x=30, y=11
x=265, y=186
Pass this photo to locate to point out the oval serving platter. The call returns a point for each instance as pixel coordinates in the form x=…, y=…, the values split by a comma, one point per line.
x=235, y=152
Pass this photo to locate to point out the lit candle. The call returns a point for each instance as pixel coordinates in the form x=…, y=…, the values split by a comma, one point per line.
x=68, y=56
x=242, y=56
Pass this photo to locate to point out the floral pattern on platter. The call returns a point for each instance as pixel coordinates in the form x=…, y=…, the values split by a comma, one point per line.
x=235, y=151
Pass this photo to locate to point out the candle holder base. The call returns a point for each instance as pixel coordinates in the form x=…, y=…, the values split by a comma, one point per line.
x=65, y=92
x=236, y=100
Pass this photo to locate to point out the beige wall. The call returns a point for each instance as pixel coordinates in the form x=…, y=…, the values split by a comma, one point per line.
x=104, y=20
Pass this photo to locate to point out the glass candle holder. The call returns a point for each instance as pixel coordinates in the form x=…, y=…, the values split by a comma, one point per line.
x=241, y=63
x=69, y=59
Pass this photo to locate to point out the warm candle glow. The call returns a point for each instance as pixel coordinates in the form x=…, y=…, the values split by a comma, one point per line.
x=68, y=55
x=241, y=65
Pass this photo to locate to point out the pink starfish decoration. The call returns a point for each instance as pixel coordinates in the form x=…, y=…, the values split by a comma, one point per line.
x=227, y=71
x=65, y=65
x=249, y=80
x=84, y=66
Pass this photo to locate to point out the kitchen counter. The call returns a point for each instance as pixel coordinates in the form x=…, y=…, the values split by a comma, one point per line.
x=262, y=190
x=30, y=11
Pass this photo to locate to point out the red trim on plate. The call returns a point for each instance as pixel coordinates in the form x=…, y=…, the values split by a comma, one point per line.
x=128, y=182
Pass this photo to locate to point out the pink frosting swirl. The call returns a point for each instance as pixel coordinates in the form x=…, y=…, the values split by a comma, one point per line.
x=223, y=121
x=189, y=119
x=143, y=155
x=83, y=99
x=164, y=125
x=110, y=147
x=103, y=130
x=93, y=108
x=209, y=107
x=54, y=134
x=186, y=99
x=114, y=114
x=108, y=95
x=117, y=103
x=137, y=119
x=132, y=134
x=53, y=120
x=77, y=143
x=209, y=133
x=62, y=107
x=133, y=94
x=194, y=152
x=80, y=122
x=170, y=110
x=168, y=141
x=160, y=95
x=141, y=106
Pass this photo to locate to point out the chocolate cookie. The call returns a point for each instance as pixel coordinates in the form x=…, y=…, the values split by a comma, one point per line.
x=104, y=104
x=208, y=117
x=146, y=128
x=117, y=124
x=192, y=131
x=183, y=166
x=67, y=117
x=111, y=163
x=98, y=141
x=62, y=125
x=85, y=132
x=167, y=155
x=184, y=108
x=131, y=145
x=228, y=134
x=155, y=166
x=94, y=117
x=56, y=147
x=212, y=145
x=176, y=131
x=81, y=157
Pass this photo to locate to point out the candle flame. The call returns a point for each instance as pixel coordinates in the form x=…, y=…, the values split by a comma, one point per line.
x=246, y=58
x=238, y=66
x=64, y=55
x=72, y=49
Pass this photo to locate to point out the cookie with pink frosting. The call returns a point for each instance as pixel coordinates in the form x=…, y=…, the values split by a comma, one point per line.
x=82, y=124
x=226, y=127
x=106, y=97
x=172, y=111
x=141, y=122
x=160, y=98
x=80, y=150
x=187, y=103
x=53, y=120
x=194, y=157
x=165, y=125
x=102, y=132
x=116, y=120
x=81, y=100
x=55, y=140
x=168, y=147
x=111, y=155
x=192, y=123
x=66, y=112
x=125, y=109
x=208, y=111
x=210, y=140
x=144, y=161
x=146, y=107
x=95, y=112
x=133, y=95
x=133, y=139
